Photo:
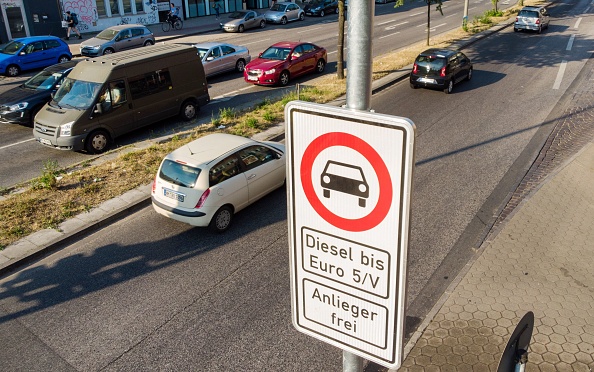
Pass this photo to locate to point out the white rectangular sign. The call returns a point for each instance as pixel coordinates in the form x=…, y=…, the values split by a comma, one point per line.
x=349, y=178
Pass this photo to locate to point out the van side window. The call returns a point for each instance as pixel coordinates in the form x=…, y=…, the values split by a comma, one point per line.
x=151, y=83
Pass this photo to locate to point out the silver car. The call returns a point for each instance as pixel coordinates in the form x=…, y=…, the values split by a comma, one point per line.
x=221, y=57
x=242, y=20
x=534, y=18
x=117, y=38
x=284, y=12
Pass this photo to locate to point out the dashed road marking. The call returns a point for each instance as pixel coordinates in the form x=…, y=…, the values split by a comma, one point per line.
x=560, y=73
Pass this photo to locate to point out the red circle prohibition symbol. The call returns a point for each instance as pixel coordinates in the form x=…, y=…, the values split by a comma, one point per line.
x=384, y=201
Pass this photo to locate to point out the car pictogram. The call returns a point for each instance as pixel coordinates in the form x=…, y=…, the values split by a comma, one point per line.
x=345, y=178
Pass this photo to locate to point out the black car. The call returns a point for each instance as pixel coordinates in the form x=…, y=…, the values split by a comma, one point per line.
x=440, y=68
x=19, y=105
x=321, y=7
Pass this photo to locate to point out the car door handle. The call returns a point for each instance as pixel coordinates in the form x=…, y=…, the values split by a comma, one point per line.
x=251, y=176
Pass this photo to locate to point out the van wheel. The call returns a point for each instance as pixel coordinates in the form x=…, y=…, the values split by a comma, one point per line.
x=63, y=59
x=108, y=51
x=240, y=65
x=221, y=219
x=149, y=42
x=97, y=142
x=13, y=70
x=188, y=110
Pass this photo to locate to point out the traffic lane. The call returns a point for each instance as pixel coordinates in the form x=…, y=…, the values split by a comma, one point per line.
x=169, y=295
x=467, y=141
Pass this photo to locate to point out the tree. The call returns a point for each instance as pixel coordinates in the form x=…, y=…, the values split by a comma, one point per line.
x=429, y=3
x=340, y=54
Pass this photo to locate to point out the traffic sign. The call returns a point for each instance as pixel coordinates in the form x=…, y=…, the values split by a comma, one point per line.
x=349, y=177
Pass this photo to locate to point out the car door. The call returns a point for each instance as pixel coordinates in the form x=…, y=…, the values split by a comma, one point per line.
x=545, y=17
x=33, y=56
x=137, y=38
x=229, y=58
x=215, y=60
x=123, y=40
x=296, y=64
x=309, y=57
x=228, y=184
x=463, y=66
x=250, y=20
x=263, y=168
x=292, y=12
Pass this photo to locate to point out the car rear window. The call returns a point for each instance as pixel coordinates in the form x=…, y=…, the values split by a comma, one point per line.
x=430, y=63
x=179, y=174
x=528, y=13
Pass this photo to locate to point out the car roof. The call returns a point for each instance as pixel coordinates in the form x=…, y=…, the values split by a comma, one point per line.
x=62, y=66
x=35, y=38
x=288, y=44
x=208, y=148
x=124, y=27
x=532, y=7
x=211, y=44
x=439, y=52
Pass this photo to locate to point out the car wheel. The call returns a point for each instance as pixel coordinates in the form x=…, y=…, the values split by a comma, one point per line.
x=413, y=86
x=63, y=59
x=13, y=70
x=301, y=16
x=336, y=10
x=108, y=51
x=448, y=89
x=149, y=42
x=320, y=66
x=516, y=30
x=283, y=79
x=469, y=75
x=240, y=65
x=284, y=21
x=262, y=24
x=539, y=29
x=97, y=142
x=188, y=110
x=241, y=28
x=322, y=13
x=221, y=219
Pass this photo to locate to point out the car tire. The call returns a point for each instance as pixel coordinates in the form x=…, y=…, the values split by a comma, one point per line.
x=539, y=29
x=283, y=78
x=149, y=42
x=221, y=219
x=12, y=70
x=108, y=51
x=240, y=65
x=301, y=16
x=241, y=28
x=97, y=142
x=283, y=21
x=262, y=24
x=469, y=74
x=320, y=66
x=413, y=86
x=516, y=30
x=337, y=11
x=188, y=111
x=63, y=58
x=322, y=13
x=449, y=87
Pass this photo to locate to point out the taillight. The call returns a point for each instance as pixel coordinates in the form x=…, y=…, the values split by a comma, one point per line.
x=538, y=21
x=516, y=19
x=442, y=71
x=202, y=199
x=155, y=184
x=415, y=68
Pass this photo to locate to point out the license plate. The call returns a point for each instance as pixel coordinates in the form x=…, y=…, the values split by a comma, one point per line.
x=174, y=195
x=252, y=78
x=425, y=80
x=45, y=142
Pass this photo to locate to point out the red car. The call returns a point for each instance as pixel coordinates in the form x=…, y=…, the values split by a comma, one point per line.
x=284, y=61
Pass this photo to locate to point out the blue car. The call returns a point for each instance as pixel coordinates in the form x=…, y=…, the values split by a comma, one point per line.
x=33, y=52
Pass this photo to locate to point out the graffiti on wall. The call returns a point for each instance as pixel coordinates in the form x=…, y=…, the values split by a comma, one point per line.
x=88, y=19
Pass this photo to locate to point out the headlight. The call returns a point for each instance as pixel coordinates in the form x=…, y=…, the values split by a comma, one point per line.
x=96, y=47
x=66, y=129
x=269, y=72
x=19, y=106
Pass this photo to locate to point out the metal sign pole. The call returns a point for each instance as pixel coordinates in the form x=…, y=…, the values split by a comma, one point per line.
x=358, y=92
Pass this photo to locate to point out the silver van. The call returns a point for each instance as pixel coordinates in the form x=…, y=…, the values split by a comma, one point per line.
x=105, y=97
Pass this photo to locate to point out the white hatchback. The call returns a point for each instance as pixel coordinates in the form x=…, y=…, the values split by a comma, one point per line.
x=207, y=181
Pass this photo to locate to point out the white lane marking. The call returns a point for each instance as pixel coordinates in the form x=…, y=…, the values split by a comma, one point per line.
x=390, y=21
x=336, y=51
x=451, y=15
x=246, y=88
x=16, y=143
x=570, y=42
x=560, y=73
x=416, y=14
x=255, y=42
x=381, y=37
x=577, y=23
x=221, y=99
x=310, y=29
x=396, y=25
x=434, y=27
x=472, y=8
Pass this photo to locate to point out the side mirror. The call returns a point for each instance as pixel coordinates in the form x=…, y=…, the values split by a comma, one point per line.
x=98, y=109
x=22, y=53
x=210, y=58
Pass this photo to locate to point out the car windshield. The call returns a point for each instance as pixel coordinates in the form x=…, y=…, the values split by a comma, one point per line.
x=78, y=94
x=528, y=13
x=276, y=53
x=278, y=7
x=107, y=34
x=43, y=81
x=430, y=63
x=237, y=15
x=179, y=174
x=12, y=47
x=202, y=52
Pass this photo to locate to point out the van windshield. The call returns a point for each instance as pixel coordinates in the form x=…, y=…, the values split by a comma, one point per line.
x=77, y=94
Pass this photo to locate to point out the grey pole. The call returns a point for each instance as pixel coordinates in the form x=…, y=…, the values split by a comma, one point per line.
x=358, y=92
x=465, y=17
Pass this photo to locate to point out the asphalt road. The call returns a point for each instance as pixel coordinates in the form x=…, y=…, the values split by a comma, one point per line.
x=392, y=30
x=150, y=293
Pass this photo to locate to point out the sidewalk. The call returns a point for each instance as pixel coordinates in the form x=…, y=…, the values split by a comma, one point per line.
x=541, y=259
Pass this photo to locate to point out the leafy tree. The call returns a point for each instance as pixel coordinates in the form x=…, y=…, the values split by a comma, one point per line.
x=340, y=54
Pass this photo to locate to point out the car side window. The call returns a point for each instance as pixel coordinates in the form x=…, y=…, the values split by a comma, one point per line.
x=224, y=170
x=298, y=52
x=215, y=53
x=124, y=34
x=227, y=49
x=49, y=44
x=249, y=16
x=257, y=155
x=34, y=47
x=137, y=32
x=308, y=48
